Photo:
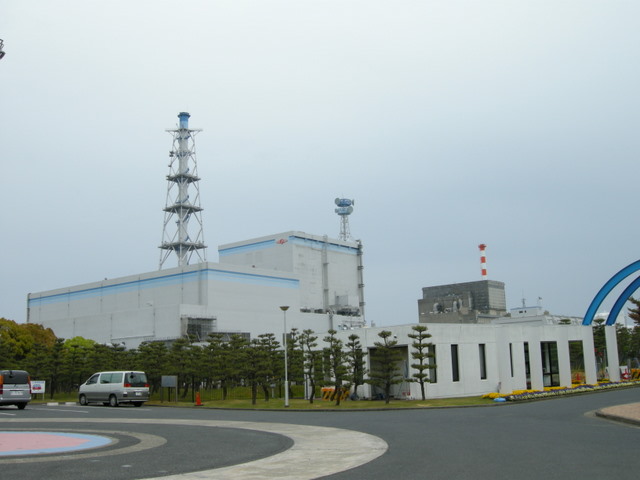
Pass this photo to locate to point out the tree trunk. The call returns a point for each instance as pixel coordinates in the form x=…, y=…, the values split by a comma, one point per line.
x=52, y=387
x=312, y=387
x=185, y=391
x=254, y=393
x=355, y=395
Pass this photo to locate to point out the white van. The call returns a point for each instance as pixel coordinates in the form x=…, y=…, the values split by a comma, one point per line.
x=113, y=388
x=15, y=388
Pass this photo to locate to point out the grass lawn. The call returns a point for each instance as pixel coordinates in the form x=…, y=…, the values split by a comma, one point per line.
x=318, y=404
x=296, y=403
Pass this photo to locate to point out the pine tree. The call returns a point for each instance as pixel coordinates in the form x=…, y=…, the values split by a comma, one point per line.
x=295, y=367
x=153, y=359
x=269, y=361
x=356, y=367
x=56, y=366
x=336, y=359
x=234, y=360
x=421, y=355
x=634, y=313
x=252, y=365
x=76, y=361
x=178, y=364
x=312, y=361
x=384, y=364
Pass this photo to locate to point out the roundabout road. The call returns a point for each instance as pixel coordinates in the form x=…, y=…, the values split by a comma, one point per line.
x=545, y=439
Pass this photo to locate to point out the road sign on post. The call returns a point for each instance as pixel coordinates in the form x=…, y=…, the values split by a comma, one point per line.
x=38, y=386
x=170, y=382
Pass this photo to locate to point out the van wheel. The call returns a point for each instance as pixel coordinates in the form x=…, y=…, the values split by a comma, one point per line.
x=21, y=406
x=83, y=400
x=137, y=404
x=113, y=401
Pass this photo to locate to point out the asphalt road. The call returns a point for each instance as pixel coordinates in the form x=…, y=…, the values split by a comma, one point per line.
x=551, y=439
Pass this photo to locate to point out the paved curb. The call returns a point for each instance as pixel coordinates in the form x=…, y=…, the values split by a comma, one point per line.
x=629, y=414
x=328, y=410
x=617, y=418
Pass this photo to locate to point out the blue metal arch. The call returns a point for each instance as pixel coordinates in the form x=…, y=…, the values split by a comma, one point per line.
x=606, y=290
x=622, y=299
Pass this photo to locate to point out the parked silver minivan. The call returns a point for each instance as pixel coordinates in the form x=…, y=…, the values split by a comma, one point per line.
x=15, y=388
x=113, y=388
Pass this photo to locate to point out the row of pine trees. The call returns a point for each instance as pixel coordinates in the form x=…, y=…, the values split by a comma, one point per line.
x=229, y=364
x=224, y=363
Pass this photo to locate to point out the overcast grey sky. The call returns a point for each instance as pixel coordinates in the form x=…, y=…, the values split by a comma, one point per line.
x=451, y=123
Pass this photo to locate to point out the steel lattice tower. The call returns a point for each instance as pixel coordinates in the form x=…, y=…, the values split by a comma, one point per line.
x=181, y=182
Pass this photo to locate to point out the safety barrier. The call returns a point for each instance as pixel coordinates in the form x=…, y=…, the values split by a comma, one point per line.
x=329, y=394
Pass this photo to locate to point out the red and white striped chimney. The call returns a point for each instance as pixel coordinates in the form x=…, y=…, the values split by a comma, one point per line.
x=483, y=260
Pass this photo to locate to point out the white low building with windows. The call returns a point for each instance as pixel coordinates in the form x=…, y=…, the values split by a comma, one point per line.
x=474, y=359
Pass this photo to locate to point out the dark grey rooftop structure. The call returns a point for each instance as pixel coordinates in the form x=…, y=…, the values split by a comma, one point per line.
x=469, y=302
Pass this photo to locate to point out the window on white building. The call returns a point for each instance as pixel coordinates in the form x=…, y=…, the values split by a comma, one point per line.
x=433, y=371
x=483, y=361
x=455, y=368
x=511, y=358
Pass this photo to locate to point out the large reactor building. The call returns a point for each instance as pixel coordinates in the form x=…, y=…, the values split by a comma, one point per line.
x=320, y=279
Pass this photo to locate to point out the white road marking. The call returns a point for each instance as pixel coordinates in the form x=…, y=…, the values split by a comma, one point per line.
x=316, y=451
x=57, y=410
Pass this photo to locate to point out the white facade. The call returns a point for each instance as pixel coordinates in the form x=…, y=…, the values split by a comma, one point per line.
x=508, y=349
x=241, y=294
x=320, y=279
x=537, y=315
x=329, y=270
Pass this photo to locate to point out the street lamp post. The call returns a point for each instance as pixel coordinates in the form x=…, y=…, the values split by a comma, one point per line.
x=284, y=309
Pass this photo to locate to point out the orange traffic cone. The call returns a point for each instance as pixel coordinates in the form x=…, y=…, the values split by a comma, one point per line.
x=198, y=402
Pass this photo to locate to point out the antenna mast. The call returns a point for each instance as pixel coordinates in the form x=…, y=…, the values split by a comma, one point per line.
x=183, y=174
x=345, y=208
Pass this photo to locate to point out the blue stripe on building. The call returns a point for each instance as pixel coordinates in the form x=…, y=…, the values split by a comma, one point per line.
x=319, y=245
x=307, y=242
x=246, y=248
x=164, y=281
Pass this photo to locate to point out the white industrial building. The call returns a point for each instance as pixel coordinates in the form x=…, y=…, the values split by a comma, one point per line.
x=317, y=278
x=320, y=279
